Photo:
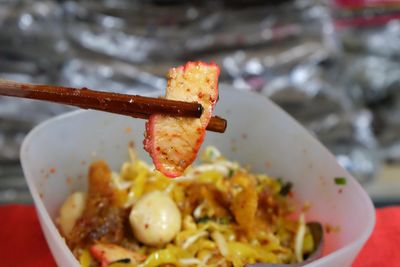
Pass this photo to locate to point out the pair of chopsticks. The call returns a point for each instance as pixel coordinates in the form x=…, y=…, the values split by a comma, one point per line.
x=131, y=105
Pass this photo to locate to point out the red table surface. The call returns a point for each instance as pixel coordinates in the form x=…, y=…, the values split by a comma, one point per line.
x=22, y=242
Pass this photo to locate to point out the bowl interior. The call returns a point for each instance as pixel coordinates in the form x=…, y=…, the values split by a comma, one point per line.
x=56, y=154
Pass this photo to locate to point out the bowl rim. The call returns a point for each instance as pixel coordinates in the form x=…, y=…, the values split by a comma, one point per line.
x=51, y=225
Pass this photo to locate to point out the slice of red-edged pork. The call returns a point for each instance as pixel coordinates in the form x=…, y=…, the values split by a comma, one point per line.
x=108, y=254
x=173, y=142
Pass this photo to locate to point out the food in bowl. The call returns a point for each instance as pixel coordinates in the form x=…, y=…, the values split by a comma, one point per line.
x=173, y=142
x=217, y=213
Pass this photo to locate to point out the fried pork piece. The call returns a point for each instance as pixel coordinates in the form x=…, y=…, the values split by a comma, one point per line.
x=102, y=220
x=245, y=202
x=208, y=194
x=244, y=208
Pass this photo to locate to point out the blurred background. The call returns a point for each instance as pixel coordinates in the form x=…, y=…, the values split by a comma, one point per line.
x=333, y=65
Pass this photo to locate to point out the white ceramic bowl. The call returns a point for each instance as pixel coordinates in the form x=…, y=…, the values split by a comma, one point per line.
x=56, y=154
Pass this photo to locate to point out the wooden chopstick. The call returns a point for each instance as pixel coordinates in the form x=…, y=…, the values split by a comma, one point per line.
x=131, y=105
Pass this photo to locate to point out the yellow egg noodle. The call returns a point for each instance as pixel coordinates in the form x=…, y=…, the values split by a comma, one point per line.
x=217, y=214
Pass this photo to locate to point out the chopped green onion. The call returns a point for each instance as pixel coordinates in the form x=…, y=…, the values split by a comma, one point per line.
x=286, y=188
x=126, y=260
x=224, y=220
x=231, y=173
x=340, y=180
x=203, y=219
x=210, y=154
x=221, y=220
